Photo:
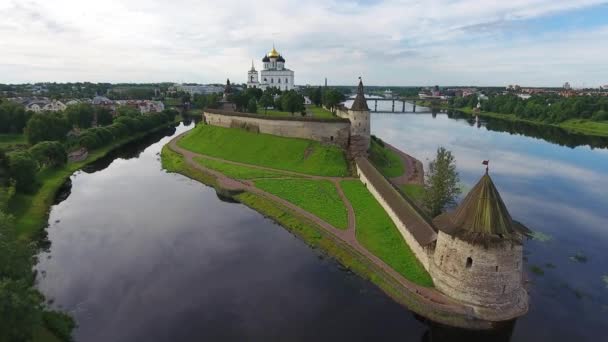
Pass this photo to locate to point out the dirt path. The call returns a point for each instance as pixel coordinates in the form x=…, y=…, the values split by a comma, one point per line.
x=414, y=171
x=347, y=236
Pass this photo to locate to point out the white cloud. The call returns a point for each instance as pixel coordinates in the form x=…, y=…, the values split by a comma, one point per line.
x=388, y=42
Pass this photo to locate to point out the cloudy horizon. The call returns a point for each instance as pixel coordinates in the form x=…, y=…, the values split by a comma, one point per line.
x=397, y=43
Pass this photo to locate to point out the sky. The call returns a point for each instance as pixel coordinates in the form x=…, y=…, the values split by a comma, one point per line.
x=391, y=42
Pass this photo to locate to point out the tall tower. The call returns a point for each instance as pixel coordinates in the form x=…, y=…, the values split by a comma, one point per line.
x=360, y=136
x=252, y=77
x=478, y=255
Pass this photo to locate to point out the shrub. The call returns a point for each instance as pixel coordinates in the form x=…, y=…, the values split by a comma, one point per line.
x=22, y=168
x=49, y=153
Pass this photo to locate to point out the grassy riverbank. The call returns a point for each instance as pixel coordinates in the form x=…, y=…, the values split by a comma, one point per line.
x=31, y=210
x=299, y=155
x=580, y=126
x=385, y=160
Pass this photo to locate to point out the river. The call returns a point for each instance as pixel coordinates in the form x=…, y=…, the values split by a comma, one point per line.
x=137, y=253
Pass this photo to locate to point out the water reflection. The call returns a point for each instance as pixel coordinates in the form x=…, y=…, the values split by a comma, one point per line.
x=554, y=189
x=548, y=133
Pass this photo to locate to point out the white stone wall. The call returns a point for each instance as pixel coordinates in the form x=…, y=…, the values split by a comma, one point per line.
x=327, y=132
x=270, y=78
x=483, y=276
x=421, y=252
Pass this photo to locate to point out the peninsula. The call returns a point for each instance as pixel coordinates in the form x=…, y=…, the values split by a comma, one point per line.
x=315, y=177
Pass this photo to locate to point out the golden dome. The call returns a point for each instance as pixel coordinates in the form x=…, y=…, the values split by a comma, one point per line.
x=273, y=53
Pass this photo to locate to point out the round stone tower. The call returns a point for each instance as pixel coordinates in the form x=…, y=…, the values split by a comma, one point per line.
x=478, y=255
x=358, y=114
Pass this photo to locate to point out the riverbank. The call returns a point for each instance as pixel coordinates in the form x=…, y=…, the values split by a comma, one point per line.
x=342, y=245
x=31, y=210
x=578, y=126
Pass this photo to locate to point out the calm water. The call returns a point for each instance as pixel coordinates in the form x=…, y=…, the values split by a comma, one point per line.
x=140, y=254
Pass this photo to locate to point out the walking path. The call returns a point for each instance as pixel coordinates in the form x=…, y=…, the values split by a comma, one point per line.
x=429, y=296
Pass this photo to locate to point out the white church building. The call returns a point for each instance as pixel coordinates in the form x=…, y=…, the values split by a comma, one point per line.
x=274, y=73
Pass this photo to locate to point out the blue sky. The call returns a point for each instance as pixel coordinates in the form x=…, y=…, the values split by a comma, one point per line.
x=391, y=42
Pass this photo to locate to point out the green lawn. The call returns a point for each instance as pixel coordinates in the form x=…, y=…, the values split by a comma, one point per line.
x=377, y=232
x=317, y=112
x=414, y=191
x=299, y=155
x=12, y=139
x=386, y=160
x=320, y=112
x=274, y=112
x=319, y=197
x=237, y=171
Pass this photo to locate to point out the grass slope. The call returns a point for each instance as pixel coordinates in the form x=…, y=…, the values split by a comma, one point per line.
x=377, y=232
x=414, y=191
x=175, y=162
x=238, y=171
x=299, y=155
x=386, y=160
x=319, y=197
x=320, y=112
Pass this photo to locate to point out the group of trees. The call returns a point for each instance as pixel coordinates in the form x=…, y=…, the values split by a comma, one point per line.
x=13, y=117
x=549, y=108
x=22, y=307
x=47, y=135
x=464, y=101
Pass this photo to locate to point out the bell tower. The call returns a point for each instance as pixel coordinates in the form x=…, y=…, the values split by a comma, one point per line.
x=252, y=77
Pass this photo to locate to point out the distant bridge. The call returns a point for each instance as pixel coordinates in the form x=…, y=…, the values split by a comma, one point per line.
x=400, y=101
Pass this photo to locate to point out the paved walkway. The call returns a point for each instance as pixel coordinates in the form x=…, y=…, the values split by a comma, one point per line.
x=429, y=295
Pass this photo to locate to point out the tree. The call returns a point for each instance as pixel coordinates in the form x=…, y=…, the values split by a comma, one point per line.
x=13, y=117
x=128, y=111
x=49, y=153
x=252, y=106
x=317, y=96
x=441, y=183
x=80, y=115
x=104, y=117
x=266, y=101
x=292, y=102
x=331, y=98
x=22, y=168
x=46, y=127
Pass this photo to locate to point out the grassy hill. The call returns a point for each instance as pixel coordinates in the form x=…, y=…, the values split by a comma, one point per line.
x=298, y=155
x=377, y=232
x=385, y=160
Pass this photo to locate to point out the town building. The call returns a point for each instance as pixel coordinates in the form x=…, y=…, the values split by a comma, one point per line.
x=273, y=74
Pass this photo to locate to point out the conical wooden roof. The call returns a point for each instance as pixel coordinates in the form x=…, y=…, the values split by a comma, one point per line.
x=360, y=104
x=482, y=216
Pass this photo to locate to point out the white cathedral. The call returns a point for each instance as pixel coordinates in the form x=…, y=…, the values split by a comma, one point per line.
x=274, y=74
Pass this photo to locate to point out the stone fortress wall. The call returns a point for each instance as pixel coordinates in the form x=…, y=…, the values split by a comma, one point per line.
x=329, y=131
x=417, y=233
